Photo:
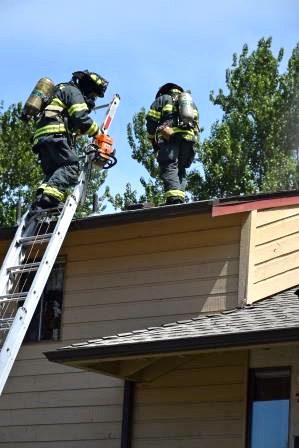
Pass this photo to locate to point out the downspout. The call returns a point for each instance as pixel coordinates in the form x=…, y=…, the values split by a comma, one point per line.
x=127, y=416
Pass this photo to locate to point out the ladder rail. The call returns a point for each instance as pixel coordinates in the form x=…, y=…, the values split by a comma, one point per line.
x=13, y=254
x=25, y=313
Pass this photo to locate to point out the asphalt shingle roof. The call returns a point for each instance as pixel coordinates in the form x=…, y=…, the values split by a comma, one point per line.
x=279, y=312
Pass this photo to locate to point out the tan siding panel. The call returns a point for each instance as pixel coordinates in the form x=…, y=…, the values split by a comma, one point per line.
x=278, y=283
x=194, y=394
x=115, y=443
x=54, y=399
x=277, y=248
x=151, y=276
x=202, y=411
x=163, y=307
x=277, y=230
x=46, y=433
x=276, y=267
x=60, y=381
x=153, y=228
x=60, y=415
x=272, y=215
x=194, y=442
x=155, y=260
x=39, y=366
x=201, y=376
x=217, y=359
x=196, y=428
x=182, y=240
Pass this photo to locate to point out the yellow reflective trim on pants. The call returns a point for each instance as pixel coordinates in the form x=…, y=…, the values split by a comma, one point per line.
x=50, y=129
x=184, y=131
x=154, y=114
x=79, y=107
x=54, y=192
x=175, y=193
x=93, y=129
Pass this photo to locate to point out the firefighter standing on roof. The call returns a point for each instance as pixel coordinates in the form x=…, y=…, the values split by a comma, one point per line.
x=173, y=138
x=65, y=115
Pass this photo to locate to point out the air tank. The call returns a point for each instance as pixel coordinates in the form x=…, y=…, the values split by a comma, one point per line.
x=39, y=96
x=186, y=111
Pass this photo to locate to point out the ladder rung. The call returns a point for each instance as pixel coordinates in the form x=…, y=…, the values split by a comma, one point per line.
x=39, y=239
x=24, y=268
x=15, y=297
x=6, y=321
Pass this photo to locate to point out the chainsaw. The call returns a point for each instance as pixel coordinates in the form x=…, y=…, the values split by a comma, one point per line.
x=101, y=149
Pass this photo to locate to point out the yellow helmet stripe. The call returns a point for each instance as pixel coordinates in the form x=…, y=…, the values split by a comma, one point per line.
x=96, y=79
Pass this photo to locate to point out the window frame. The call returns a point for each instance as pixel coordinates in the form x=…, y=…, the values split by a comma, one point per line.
x=250, y=397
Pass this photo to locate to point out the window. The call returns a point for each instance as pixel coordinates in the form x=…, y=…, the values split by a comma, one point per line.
x=46, y=321
x=269, y=402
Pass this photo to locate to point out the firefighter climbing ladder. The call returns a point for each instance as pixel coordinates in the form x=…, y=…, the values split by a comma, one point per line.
x=37, y=254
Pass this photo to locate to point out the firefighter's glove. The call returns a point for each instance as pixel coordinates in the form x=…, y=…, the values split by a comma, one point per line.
x=166, y=133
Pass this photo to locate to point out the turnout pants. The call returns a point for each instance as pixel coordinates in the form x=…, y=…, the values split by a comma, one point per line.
x=59, y=163
x=173, y=158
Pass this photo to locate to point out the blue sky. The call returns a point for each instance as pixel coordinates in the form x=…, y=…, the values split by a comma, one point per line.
x=137, y=46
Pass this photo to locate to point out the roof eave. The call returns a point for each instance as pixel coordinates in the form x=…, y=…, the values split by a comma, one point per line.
x=173, y=346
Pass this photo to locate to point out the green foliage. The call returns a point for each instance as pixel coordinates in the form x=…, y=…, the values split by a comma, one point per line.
x=19, y=170
x=122, y=202
x=250, y=149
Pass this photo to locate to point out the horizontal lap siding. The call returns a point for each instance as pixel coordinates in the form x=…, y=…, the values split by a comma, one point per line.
x=202, y=403
x=276, y=252
x=49, y=405
x=159, y=271
x=117, y=279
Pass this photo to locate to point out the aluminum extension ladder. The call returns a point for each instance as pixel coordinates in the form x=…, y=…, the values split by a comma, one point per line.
x=17, y=307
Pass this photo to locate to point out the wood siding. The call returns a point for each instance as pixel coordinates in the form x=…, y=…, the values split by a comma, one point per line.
x=117, y=279
x=274, y=258
x=202, y=403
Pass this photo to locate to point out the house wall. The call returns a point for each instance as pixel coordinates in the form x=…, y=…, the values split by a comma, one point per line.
x=117, y=278
x=201, y=404
x=204, y=401
x=132, y=276
x=270, y=244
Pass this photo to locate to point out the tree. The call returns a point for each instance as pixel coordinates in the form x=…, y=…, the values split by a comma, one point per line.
x=20, y=171
x=250, y=149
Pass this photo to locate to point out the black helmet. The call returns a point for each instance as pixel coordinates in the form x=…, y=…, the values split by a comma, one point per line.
x=166, y=88
x=90, y=83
